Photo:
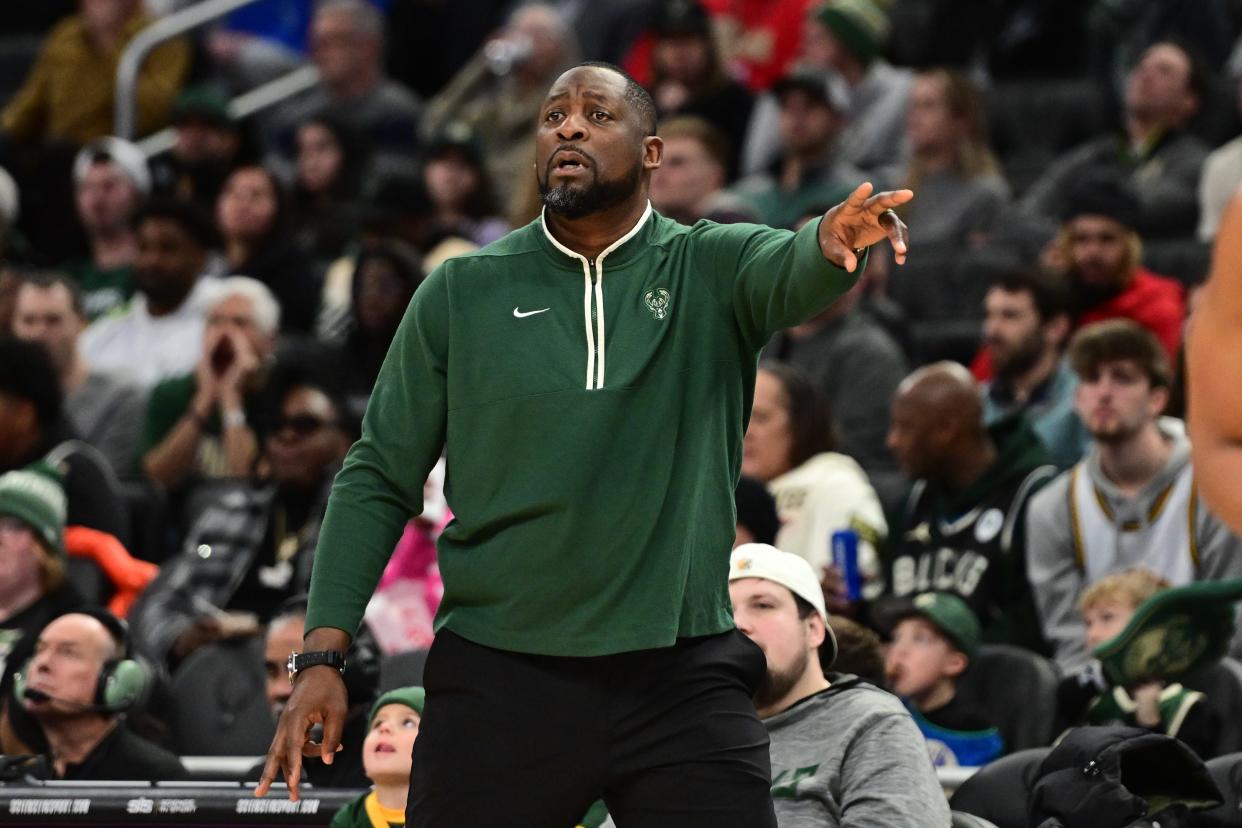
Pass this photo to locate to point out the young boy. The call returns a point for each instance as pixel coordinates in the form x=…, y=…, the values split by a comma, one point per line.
x=934, y=637
x=1086, y=698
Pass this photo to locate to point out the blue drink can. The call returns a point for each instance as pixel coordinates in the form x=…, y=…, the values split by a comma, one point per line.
x=845, y=558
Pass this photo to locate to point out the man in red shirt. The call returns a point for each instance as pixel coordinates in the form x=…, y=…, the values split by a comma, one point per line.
x=1101, y=252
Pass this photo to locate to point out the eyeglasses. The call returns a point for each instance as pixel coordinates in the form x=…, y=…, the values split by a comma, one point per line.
x=303, y=425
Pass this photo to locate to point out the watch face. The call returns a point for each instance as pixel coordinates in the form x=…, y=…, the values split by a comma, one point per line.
x=292, y=666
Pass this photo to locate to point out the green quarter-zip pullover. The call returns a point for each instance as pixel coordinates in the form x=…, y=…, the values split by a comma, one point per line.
x=592, y=415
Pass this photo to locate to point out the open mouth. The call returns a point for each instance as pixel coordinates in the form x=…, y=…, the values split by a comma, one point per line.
x=569, y=161
x=384, y=747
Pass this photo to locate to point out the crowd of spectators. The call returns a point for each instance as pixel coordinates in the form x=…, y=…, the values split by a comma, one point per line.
x=191, y=322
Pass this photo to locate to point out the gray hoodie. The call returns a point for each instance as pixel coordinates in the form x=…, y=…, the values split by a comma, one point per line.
x=1058, y=577
x=851, y=756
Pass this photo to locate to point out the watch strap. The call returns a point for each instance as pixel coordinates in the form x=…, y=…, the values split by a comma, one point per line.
x=331, y=658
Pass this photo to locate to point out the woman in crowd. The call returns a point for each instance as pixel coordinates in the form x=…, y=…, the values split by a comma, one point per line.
x=960, y=185
x=385, y=277
x=789, y=446
x=460, y=187
x=251, y=217
x=331, y=165
x=386, y=752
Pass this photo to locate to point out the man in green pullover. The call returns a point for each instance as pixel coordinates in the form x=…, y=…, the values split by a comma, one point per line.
x=589, y=378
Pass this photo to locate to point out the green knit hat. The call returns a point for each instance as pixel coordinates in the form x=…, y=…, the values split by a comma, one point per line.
x=862, y=26
x=943, y=610
x=1172, y=633
x=36, y=496
x=413, y=697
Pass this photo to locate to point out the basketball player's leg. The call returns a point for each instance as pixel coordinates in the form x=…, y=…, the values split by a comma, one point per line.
x=688, y=750
x=506, y=739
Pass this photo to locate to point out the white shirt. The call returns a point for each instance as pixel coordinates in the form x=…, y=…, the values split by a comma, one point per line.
x=149, y=348
x=827, y=493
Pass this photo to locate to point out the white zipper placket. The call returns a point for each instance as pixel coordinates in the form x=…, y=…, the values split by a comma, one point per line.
x=593, y=300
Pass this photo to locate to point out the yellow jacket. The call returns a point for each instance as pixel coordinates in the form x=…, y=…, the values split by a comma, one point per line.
x=69, y=94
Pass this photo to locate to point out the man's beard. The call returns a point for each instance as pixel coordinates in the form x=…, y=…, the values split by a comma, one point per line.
x=574, y=201
x=1023, y=358
x=1116, y=435
x=776, y=684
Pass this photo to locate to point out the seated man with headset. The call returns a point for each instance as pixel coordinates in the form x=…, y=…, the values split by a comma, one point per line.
x=76, y=685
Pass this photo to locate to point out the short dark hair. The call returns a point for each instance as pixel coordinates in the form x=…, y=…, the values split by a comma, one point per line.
x=1114, y=340
x=810, y=418
x=635, y=95
x=805, y=608
x=27, y=373
x=193, y=219
x=47, y=279
x=1049, y=292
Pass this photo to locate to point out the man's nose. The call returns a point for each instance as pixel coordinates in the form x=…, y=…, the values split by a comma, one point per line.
x=573, y=128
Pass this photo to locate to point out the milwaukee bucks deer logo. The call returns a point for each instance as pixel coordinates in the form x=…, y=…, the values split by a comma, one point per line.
x=657, y=302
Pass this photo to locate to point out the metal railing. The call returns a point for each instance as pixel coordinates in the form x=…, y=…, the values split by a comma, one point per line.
x=261, y=97
x=174, y=25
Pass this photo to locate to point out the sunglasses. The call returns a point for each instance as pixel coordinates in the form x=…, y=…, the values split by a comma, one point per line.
x=303, y=425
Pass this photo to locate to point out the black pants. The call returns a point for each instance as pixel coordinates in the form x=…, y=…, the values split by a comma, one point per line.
x=666, y=737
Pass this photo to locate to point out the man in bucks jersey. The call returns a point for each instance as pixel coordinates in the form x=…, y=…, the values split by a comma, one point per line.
x=1132, y=503
x=961, y=530
x=589, y=377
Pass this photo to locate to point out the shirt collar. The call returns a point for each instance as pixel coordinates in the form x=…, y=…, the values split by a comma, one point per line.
x=633, y=231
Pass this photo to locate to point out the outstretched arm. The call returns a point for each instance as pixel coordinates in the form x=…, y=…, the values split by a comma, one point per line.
x=1213, y=360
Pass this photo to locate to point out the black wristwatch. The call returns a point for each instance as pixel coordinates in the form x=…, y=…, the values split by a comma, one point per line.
x=300, y=661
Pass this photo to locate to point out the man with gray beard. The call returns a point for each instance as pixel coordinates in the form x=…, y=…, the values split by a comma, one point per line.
x=844, y=752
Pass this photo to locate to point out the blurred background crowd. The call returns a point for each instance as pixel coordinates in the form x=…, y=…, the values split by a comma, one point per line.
x=205, y=254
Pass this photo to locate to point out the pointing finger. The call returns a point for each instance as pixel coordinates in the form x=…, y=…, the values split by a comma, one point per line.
x=857, y=200
x=888, y=200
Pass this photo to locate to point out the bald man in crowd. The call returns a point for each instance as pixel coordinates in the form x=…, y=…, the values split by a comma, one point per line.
x=961, y=529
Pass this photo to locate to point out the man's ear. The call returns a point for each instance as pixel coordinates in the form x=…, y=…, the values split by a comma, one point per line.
x=653, y=152
x=1159, y=401
x=815, y=631
x=1057, y=329
x=956, y=664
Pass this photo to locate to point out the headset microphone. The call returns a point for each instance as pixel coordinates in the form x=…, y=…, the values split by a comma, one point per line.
x=34, y=695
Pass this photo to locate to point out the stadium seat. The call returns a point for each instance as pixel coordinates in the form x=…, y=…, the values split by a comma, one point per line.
x=1017, y=690
x=1032, y=122
x=1227, y=774
x=89, y=580
x=999, y=791
x=1222, y=685
x=965, y=820
x=219, y=705
x=402, y=670
x=1186, y=260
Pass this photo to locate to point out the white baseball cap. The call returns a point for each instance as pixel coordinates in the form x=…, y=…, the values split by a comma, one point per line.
x=761, y=560
x=125, y=154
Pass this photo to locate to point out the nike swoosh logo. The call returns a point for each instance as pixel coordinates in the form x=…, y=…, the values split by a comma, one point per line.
x=522, y=315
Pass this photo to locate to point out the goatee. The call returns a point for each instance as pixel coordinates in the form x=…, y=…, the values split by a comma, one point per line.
x=574, y=201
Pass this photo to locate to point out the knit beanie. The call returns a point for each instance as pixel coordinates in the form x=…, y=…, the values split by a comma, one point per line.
x=862, y=26
x=36, y=496
x=1101, y=192
x=413, y=697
